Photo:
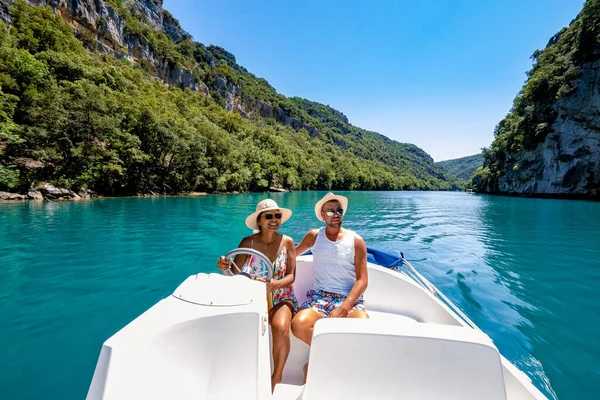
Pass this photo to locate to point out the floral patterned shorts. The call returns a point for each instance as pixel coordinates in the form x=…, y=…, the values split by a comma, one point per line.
x=325, y=302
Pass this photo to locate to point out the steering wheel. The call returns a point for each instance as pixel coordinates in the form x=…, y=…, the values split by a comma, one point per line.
x=247, y=270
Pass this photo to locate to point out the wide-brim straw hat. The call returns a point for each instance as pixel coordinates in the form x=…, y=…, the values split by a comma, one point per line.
x=330, y=197
x=267, y=205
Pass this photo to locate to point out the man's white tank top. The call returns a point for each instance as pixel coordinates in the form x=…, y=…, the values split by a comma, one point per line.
x=334, y=263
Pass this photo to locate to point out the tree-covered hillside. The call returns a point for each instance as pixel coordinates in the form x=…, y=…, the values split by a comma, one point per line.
x=80, y=119
x=463, y=167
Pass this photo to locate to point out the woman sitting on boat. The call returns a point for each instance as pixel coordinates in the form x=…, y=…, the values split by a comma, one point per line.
x=281, y=251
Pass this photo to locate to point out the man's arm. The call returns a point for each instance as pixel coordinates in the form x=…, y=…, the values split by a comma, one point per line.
x=362, y=279
x=307, y=242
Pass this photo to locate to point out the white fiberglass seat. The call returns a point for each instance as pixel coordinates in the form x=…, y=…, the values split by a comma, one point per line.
x=382, y=359
x=209, y=340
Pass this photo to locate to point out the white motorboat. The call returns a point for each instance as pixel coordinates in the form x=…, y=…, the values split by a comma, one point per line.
x=210, y=339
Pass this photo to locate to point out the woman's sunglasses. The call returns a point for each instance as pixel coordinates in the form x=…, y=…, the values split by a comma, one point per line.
x=332, y=211
x=270, y=216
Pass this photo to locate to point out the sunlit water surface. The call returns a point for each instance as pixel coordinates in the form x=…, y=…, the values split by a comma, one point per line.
x=526, y=271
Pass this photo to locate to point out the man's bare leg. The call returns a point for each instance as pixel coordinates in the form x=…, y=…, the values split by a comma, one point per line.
x=303, y=324
x=358, y=314
x=280, y=329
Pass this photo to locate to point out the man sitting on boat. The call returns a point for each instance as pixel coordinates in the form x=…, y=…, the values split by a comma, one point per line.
x=340, y=263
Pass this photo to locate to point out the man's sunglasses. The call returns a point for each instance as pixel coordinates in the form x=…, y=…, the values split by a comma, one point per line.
x=270, y=216
x=332, y=211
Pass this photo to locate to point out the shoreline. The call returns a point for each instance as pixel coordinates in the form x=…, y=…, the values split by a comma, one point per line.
x=9, y=197
x=49, y=192
x=18, y=197
x=68, y=195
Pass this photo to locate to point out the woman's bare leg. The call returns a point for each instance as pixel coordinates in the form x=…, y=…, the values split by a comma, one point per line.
x=280, y=329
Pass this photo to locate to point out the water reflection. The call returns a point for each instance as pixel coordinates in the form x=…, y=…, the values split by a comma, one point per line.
x=545, y=253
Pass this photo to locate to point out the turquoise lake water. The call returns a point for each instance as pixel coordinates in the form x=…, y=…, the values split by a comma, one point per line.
x=526, y=271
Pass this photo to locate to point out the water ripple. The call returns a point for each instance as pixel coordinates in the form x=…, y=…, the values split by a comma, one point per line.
x=525, y=271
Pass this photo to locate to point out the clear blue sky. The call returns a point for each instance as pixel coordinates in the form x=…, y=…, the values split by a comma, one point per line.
x=439, y=74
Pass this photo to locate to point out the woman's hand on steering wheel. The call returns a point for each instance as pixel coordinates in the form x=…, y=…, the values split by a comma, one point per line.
x=223, y=264
x=272, y=284
x=258, y=257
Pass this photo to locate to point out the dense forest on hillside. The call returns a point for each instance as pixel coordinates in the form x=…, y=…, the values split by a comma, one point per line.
x=551, y=78
x=464, y=167
x=84, y=120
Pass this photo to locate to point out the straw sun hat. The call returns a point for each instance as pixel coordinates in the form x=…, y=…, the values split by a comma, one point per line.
x=267, y=205
x=330, y=197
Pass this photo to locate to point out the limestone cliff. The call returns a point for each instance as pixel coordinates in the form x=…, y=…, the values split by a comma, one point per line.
x=133, y=29
x=104, y=24
x=247, y=106
x=568, y=160
x=549, y=145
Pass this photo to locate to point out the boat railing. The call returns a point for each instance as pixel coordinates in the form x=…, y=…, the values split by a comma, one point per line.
x=412, y=273
x=395, y=261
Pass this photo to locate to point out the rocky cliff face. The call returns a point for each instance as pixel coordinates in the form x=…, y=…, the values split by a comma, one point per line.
x=549, y=144
x=107, y=28
x=567, y=162
x=4, y=12
x=248, y=107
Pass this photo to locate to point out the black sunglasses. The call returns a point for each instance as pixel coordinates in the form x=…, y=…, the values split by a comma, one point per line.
x=332, y=211
x=270, y=216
